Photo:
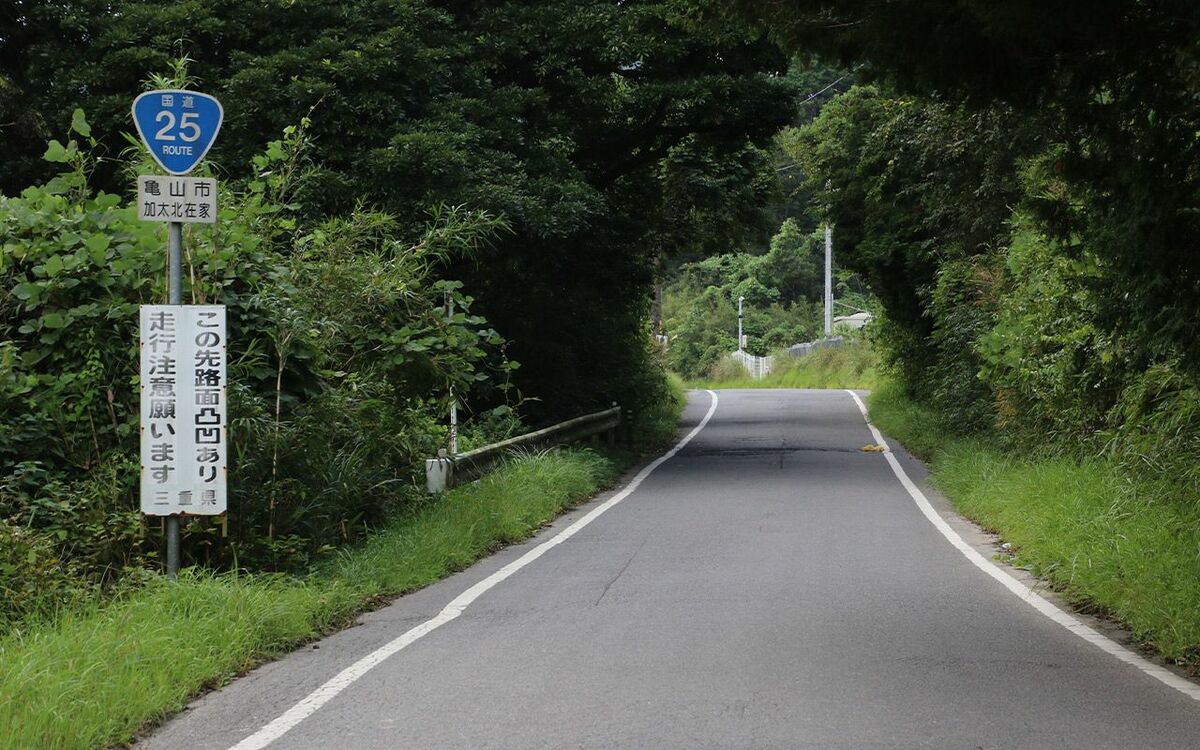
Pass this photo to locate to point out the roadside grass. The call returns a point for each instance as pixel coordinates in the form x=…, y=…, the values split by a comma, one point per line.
x=655, y=427
x=853, y=366
x=96, y=677
x=1114, y=544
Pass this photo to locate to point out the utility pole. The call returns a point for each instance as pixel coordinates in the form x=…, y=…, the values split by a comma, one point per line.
x=740, y=301
x=828, y=282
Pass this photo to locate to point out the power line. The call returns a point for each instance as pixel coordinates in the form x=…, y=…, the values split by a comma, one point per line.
x=806, y=101
x=822, y=91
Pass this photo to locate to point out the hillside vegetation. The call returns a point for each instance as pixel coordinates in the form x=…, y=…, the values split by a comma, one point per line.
x=782, y=291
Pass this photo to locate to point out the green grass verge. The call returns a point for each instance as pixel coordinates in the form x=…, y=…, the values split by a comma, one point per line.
x=1113, y=544
x=655, y=427
x=855, y=366
x=97, y=677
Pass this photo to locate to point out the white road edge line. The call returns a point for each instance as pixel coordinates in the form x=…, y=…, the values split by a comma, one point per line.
x=1105, y=644
x=325, y=693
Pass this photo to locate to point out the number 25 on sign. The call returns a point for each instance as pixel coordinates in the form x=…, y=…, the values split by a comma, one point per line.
x=178, y=126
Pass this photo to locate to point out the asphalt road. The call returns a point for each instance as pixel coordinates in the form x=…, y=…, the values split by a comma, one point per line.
x=770, y=586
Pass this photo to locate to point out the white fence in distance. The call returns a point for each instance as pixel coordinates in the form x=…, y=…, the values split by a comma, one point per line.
x=760, y=367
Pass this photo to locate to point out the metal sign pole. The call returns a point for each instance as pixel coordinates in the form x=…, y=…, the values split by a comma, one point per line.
x=453, y=399
x=174, y=297
x=178, y=127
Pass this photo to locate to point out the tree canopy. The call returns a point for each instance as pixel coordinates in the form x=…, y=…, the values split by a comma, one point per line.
x=1104, y=99
x=606, y=134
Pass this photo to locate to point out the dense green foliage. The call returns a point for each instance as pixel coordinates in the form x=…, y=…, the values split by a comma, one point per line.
x=1018, y=187
x=605, y=134
x=991, y=314
x=546, y=155
x=782, y=290
x=781, y=277
x=1019, y=192
x=341, y=358
x=891, y=173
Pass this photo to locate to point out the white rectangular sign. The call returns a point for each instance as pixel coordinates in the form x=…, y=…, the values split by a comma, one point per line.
x=183, y=426
x=186, y=199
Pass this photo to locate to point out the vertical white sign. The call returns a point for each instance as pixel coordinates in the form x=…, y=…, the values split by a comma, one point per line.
x=183, y=425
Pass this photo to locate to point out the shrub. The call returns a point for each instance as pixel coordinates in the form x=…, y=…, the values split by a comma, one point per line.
x=1055, y=373
x=33, y=580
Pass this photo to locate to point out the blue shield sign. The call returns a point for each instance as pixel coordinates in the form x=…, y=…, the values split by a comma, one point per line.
x=177, y=126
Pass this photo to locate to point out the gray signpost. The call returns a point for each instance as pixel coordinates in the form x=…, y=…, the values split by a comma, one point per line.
x=174, y=297
x=183, y=426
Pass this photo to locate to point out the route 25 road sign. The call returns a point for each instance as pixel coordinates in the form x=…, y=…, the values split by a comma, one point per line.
x=178, y=126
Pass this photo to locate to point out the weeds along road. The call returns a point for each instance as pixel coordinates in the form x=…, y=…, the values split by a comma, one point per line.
x=770, y=585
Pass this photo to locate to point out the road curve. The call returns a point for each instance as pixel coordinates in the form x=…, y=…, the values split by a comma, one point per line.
x=770, y=586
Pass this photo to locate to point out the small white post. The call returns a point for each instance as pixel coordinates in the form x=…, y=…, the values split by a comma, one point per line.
x=828, y=282
x=438, y=473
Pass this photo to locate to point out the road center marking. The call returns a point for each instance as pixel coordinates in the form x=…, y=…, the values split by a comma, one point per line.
x=339, y=682
x=1105, y=644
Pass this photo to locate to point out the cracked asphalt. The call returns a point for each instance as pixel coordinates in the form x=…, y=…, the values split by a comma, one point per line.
x=771, y=586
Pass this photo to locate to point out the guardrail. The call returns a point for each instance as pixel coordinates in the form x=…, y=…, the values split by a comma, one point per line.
x=444, y=472
x=801, y=350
